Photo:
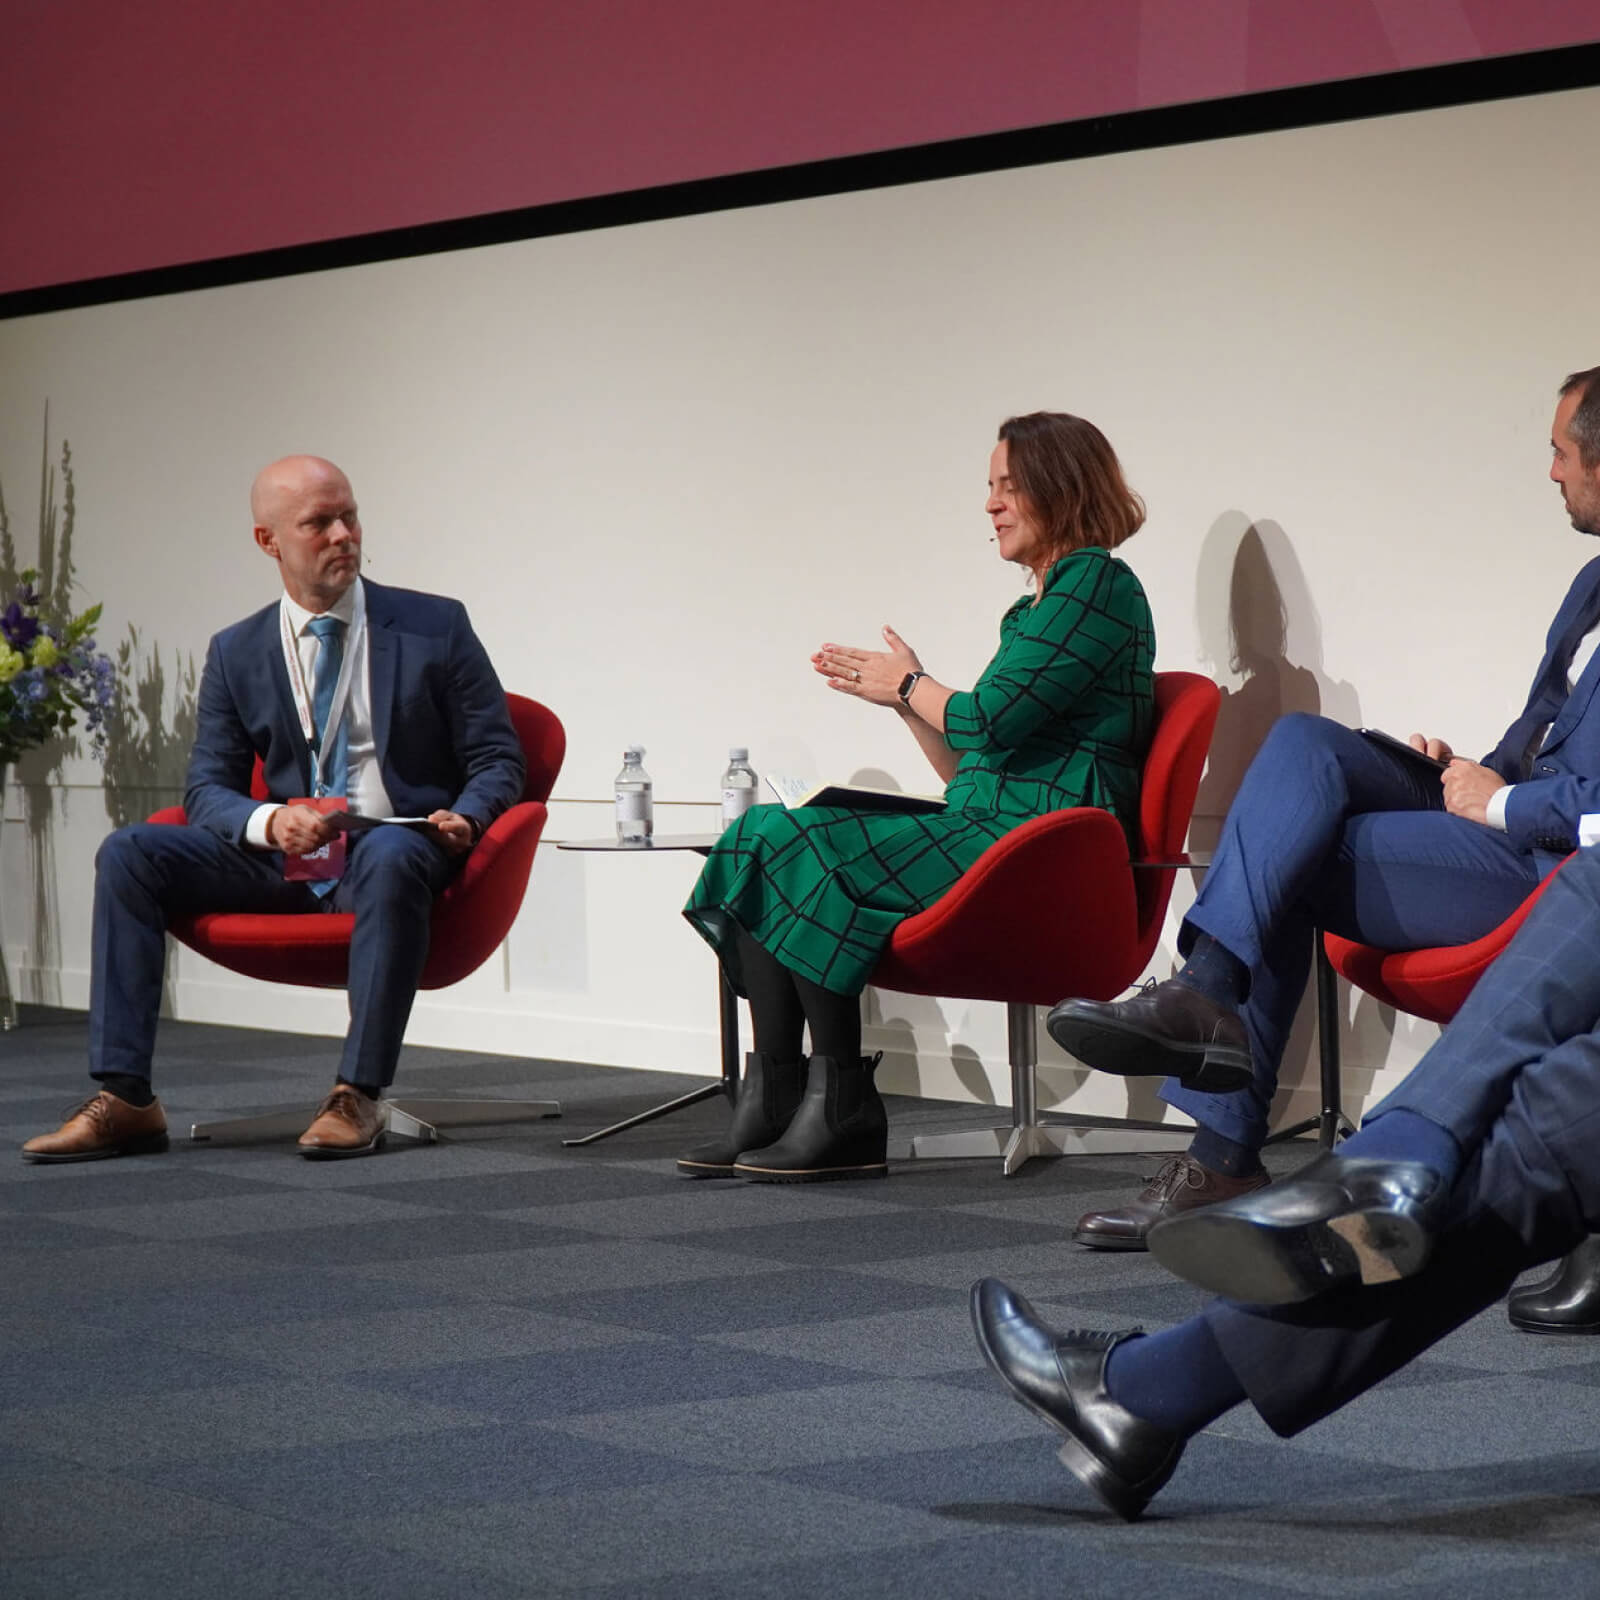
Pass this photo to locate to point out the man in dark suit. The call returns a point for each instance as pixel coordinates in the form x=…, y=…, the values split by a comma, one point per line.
x=384, y=697
x=1483, y=1163
x=1330, y=830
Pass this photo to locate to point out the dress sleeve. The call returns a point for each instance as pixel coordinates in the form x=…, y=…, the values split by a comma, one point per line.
x=1055, y=651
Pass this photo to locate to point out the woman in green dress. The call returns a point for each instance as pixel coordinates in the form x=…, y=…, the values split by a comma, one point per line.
x=799, y=904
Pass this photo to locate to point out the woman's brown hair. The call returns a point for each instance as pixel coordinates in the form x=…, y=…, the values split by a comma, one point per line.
x=1072, y=480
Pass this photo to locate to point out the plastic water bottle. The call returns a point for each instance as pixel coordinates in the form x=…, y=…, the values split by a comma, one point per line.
x=738, y=786
x=635, y=802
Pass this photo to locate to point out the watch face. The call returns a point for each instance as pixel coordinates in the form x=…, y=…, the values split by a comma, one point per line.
x=907, y=683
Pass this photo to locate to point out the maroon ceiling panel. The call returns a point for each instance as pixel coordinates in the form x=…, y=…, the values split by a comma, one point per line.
x=140, y=137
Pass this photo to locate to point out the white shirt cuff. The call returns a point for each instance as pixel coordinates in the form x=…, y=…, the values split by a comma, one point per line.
x=1588, y=829
x=255, y=830
x=1495, y=809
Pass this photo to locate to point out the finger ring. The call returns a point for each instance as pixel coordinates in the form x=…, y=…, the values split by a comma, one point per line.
x=858, y=674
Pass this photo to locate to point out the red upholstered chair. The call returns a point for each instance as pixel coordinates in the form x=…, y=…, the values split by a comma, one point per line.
x=470, y=919
x=1432, y=983
x=1056, y=908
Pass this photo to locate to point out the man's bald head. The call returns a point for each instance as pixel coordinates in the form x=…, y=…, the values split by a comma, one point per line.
x=287, y=479
x=304, y=512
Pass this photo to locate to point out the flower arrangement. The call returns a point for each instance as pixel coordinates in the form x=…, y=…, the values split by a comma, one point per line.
x=50, y=669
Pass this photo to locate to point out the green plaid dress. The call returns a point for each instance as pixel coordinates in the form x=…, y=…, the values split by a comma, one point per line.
x=1060, y=717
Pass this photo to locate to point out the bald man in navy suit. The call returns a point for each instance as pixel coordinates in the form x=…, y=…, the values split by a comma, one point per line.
x=343, y=687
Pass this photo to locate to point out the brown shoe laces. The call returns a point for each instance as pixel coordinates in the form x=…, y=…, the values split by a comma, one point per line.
x=1178, y=1172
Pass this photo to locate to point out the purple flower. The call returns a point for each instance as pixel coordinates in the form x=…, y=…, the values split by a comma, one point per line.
x=17, y=625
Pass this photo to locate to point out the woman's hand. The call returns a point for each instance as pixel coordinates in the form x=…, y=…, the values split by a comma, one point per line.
x=872, y=675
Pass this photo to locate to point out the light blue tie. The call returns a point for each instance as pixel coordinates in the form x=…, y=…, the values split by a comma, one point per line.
x=329, y=634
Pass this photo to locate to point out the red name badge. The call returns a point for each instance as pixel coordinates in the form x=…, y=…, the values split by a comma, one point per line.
x=328, y=862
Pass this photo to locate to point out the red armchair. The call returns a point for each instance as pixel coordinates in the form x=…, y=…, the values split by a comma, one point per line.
x=1055, y=908
x=470, y=919
x=1431, y=983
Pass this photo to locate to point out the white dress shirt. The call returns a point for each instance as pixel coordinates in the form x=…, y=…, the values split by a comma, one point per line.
x=366, y=795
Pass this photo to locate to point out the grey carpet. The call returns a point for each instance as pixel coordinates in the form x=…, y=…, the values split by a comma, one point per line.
x=496, y=1367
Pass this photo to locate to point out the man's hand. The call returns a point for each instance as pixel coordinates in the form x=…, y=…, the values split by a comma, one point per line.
x=298, y=830
x=1436, y=748
x=454, y=832
x=1467, y=788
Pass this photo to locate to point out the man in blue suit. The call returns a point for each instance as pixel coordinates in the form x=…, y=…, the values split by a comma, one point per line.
x=384, y=697
x=1329, y=829
x=1483, y=1163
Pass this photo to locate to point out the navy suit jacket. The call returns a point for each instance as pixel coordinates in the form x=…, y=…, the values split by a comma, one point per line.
x=439, y=720
x=1557, y=781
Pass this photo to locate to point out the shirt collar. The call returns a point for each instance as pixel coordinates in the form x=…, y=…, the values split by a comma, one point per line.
x=349, y=608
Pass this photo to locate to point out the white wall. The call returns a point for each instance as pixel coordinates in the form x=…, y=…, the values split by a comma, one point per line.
x=661, y=463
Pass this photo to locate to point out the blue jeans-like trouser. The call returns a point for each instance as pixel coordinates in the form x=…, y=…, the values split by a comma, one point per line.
x=149, y=873
x=1329, y=831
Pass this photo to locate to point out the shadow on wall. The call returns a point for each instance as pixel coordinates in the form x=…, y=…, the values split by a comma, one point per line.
x=149, y=728
x=1258, y=625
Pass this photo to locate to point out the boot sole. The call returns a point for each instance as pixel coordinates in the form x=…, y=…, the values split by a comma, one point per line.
x=1534, y=1325
x=1129, y=1052
x=149, y=1145
x=705, y=1169
x=809, y=1175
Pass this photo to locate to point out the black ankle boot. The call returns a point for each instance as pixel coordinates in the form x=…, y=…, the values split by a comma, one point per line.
x=769, y=1095
x=840, y=1130
x=1566, y=1302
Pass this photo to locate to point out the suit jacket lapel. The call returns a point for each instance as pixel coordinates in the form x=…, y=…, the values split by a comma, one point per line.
x=1568, y=708
x=383, y=650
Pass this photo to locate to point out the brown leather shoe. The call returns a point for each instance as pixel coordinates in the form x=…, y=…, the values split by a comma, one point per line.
x=1182, y=1184
x=1167, y=1030
x=102, y=1127
x=347, y=1124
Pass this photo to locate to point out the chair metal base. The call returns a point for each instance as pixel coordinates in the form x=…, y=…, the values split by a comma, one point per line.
x=1060, y=1136
x=1032, y=1135
x=406, y=1118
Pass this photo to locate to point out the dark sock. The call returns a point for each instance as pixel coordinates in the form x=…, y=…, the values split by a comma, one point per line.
x=834, y=1021
x=127, y=1088
x=360, y=1088
x=777, y=1019
x=1216, y=972
x=1224, y=1156
x=1401, y=1135
x=1176, y=1379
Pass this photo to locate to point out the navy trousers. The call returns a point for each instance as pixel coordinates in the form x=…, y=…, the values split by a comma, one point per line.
x=1329, y=830
x=148, y=873
x=1516, y=1080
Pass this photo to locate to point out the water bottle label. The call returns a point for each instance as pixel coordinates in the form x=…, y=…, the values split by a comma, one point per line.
x=735, y=802
x=633, y=807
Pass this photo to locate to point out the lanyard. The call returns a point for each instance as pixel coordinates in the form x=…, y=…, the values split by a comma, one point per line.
x=341, y=688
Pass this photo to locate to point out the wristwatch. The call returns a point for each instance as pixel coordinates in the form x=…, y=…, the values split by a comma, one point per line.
x=907, y=684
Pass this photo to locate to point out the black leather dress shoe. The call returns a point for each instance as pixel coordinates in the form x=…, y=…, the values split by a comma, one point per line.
x=1167, y=1030
x=1568, y=1301
x=1061, y=1377
x=1338, y=1222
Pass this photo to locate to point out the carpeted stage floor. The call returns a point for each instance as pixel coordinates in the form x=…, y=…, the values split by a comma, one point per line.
x=496, y=1367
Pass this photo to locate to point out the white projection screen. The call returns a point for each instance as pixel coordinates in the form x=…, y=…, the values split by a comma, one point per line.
x=662, y=462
